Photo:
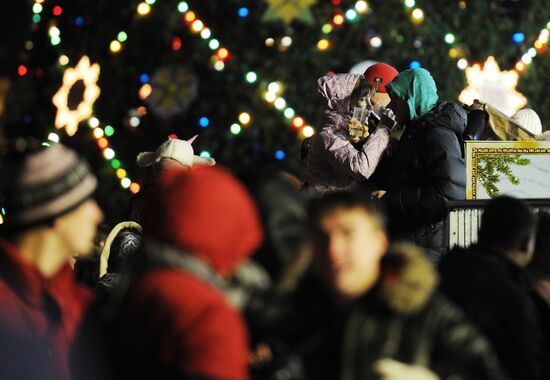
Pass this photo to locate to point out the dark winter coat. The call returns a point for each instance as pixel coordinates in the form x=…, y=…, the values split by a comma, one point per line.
x=400, y=318
x=426, y=170
x=403, y=319
x=499, y=297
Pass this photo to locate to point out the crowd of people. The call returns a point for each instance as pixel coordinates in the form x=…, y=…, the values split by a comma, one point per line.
x=344, y=275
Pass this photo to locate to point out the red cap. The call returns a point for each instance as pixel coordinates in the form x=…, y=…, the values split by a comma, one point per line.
x=379, y=75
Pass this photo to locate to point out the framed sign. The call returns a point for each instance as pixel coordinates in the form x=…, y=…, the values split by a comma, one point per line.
x=517, y=168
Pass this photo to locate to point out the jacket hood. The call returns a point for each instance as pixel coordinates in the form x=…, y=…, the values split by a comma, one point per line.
x=336, y=90
x=408, y=279
x=417, y=88
x=206, y=212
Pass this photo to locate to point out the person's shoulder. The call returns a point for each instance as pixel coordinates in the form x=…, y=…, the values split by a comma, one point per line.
x=175, y=289
x=448, y=116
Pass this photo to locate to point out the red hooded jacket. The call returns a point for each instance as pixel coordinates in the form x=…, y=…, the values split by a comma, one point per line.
x=40, y=314
x=174, y=323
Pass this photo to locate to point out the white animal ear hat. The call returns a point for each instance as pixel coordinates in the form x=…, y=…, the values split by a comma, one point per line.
x=177, y=150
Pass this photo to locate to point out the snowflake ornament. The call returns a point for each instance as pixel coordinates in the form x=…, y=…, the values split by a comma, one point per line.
x=288, y=10
x=69, y=115
x=492, y=86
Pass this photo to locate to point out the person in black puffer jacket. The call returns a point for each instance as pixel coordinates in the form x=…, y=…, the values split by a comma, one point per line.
x=426, y=168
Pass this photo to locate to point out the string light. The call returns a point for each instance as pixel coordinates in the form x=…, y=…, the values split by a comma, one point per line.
x=270, y=96
x=183, y=7
x=417, y=15
x=243, y=12
x=143, y=9
x=274, y=87
x=115, y=46
x=21, y=70
x=297, y=122
x=251, y=77
x=122, y=36
x=53, y=137
x=244, y=118
x=308, y=131
x=361, y=6
x=280, y=103
x=323, y=44
x=235, y=128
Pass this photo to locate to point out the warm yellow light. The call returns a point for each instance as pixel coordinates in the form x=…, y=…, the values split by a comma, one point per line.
x=308, y=131
x=323, y=44
x=361, y=6
x=143, y=9
x=120, y=173
x=63, y=60
x=70, y=118
x=418, y=15
x=145, y=91
x=98, y=133
x=520, y=67
x=494, y=86
x=270, y=96
x=115, y=46
x=197, y=26
x=244, y=118
x=453, y=53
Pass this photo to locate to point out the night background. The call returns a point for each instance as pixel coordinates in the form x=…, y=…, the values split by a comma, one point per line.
x=240, y=74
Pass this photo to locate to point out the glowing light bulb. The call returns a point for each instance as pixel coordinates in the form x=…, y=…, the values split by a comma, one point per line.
x=323, y=44
x=115, y=46
x=274, y=87
x=308, y=131
x=361, y=6
x=418, y=15
x=143, y=8
x=244, y=118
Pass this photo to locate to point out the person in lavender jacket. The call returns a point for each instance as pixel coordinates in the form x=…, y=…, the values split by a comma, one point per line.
x=343, y=153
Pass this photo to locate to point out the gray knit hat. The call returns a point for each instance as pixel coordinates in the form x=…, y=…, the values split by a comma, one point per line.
x=41, y=183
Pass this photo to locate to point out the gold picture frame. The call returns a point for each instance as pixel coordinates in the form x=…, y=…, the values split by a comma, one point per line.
x=517, y=168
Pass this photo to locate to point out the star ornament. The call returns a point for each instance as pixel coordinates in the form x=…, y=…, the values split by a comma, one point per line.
x=67, y=116
x=288, y=10
x=492, y=86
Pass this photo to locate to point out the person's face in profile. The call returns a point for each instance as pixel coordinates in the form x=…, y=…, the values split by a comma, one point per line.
x=400, y=109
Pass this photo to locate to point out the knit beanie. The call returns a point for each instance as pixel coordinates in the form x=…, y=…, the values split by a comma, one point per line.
x=206, y=212
x=379, y=75
x=41, y=183
x=529, y=120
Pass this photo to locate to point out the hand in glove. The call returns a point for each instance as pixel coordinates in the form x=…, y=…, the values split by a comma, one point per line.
x=390, y=369
x=387, y=118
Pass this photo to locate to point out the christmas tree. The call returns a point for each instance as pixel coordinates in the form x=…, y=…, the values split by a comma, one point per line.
x=240, y=74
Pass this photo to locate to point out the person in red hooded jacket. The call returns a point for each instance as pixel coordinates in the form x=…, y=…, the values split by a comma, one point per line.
x=177, y=320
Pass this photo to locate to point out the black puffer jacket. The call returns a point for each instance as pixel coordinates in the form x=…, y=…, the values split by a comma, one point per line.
x=499, y=297
x=403, y=319
x=425, y=171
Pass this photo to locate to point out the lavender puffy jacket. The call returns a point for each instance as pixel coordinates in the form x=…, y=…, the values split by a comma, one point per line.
x=333, y=163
